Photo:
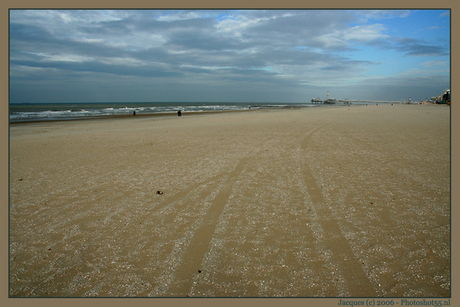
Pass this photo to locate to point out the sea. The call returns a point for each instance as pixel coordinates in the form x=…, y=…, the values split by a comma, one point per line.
x=23, y=112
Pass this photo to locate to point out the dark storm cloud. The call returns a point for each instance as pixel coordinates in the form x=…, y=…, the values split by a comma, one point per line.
x=29, y=33
x=122, y=70
x=32, y=39
x=347, y=66
x=413, y=47
x=417, y=48
x=201, y=41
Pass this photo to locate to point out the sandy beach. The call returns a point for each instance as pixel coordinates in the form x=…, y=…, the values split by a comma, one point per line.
x=309, y=202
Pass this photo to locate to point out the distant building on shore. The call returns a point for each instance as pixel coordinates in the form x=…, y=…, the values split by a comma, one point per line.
x=327, y=101
x=444, y=98
x=316, y=100
x=330, y=101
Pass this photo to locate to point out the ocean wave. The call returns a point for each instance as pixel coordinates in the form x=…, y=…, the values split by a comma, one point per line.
x=28, y=112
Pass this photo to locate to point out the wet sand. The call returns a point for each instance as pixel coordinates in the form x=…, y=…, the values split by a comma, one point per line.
x=311, y=202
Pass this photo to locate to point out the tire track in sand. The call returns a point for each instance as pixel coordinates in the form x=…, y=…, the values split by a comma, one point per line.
x=331, y=239
x=178, y=242
x=199, y=245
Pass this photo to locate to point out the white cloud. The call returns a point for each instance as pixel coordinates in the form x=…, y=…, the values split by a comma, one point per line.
x=435, y=63
x=445, y=14
x=236, y=25
x=417, y=72
x=47, y=57
x=361, y=34
x=331, y=40
x=122, y=61
x=365, y=33
x=207, y=67
x=367, y=15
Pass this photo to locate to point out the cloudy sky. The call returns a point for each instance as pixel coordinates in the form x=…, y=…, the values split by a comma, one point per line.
x=227, y=56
